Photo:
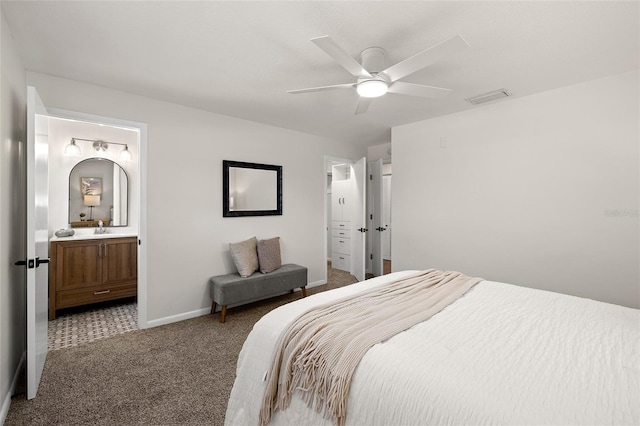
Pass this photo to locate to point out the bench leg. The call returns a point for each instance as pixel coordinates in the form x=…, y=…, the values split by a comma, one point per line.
x=213, y=307
x=223, y=313
x=304, y=291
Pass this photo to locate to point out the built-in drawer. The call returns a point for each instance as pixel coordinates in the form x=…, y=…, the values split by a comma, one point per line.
x=77, y=297
x=341, y=261
x=340, y=224
x=341, y=233
x=341, y=245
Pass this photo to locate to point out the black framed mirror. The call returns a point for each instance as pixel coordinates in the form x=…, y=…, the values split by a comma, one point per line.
x=251, y=189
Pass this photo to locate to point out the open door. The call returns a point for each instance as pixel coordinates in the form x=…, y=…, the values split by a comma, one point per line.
x=386, y=217
x=37, y=238
x=376, y=227
x=359, y=220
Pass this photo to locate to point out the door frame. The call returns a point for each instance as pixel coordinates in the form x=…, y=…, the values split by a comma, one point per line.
x=359, y=218
x=374, y=217
x=142, y=201
x=328, y=160
x=386, y=201
x=325, y=166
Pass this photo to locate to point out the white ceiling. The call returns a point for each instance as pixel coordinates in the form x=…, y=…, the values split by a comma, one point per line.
x=240, y=58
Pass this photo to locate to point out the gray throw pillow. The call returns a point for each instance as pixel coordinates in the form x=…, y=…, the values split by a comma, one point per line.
x=245, y=256
x=269, y=255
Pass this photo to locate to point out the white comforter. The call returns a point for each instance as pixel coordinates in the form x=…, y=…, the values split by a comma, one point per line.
x=501, y=354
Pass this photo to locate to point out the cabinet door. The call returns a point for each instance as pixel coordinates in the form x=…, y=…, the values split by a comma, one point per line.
x=340, y=200
x=79, y=264
x=120, y=261
x=336, y=202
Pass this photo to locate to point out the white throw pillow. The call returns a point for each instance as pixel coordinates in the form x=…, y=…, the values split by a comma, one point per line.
x=245, y=256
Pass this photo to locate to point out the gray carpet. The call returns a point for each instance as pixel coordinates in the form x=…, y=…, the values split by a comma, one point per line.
x=178, y=374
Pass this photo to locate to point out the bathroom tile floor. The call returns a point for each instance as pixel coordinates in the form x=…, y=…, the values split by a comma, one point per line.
x=79, y=326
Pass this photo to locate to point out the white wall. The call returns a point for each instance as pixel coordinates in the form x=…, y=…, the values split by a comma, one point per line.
x=381, y=151
x=12, y=215
x=540, y=191
x=60, y=166
x=188, y=237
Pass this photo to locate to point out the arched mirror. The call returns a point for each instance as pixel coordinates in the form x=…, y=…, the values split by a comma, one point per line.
x=98, y=191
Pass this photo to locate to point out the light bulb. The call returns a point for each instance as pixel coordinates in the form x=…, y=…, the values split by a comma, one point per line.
x=372, y=88
x=125, y=154
x=72, y=150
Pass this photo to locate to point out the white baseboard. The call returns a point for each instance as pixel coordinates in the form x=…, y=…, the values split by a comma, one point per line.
x=178, y=317
x=6, y=403
x=207, y=311
x=316, y=283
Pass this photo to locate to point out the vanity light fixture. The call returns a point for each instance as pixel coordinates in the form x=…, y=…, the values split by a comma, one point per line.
x=73, y=150
x=100, y=147
x=125, y=154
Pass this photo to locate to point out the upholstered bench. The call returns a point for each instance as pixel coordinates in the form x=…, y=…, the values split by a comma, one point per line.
x=232, y=289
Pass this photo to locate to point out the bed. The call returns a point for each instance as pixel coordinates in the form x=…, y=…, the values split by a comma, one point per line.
x=500, y=354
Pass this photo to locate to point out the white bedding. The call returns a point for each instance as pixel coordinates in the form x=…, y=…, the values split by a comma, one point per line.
x=501, y=354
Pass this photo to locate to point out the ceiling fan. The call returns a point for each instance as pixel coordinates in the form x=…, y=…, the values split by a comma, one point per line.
x=374, y=80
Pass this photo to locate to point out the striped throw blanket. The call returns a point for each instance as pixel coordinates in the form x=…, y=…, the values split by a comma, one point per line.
x=319, y=352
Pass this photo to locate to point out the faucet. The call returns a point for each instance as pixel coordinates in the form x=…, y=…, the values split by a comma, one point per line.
x=101, y=229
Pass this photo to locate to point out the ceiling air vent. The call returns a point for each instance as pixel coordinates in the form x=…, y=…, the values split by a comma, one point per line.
x=490, y=96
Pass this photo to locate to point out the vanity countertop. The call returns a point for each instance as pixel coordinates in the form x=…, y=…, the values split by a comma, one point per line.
x=78, y=237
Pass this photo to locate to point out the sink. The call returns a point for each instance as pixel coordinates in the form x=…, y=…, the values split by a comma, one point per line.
x=89, y=234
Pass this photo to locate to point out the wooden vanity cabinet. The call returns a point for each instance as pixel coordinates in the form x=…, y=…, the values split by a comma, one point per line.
x=89, y=271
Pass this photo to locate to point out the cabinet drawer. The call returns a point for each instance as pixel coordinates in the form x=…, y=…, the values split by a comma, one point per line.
x=341, y=224
x=341, y=245
x=69, y=298
x=341, y=261
x=341, y=233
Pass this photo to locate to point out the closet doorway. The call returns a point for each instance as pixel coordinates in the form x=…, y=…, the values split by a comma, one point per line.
x=345, y=215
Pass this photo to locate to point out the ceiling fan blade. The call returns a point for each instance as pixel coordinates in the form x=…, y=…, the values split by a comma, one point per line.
x=363, y=105
x=338, y=53
x=421, y=90
x=425, y=58
x=322, y=88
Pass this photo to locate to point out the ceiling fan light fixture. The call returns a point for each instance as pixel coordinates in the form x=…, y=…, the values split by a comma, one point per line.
x=372, y=88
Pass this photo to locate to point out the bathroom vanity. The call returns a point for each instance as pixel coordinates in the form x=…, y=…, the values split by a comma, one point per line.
x=86, y=269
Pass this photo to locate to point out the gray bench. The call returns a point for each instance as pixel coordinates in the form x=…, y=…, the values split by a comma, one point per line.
x=232, y=289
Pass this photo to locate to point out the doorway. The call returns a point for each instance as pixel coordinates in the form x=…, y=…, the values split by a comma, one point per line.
x=345, y=224
x=39, y=228
x=379, y=218
x=386, y=218
x=86, y=323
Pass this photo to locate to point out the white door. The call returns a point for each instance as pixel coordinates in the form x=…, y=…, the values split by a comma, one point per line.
x=329, y=203
x=37, y=238
x=376, y=227
x=358, y=221
x=386, y=217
